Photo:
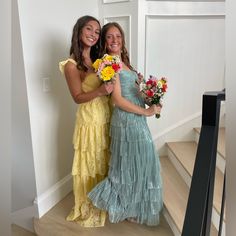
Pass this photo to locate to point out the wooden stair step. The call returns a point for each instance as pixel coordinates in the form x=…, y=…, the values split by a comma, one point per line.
x=175, y=194
x=185, y=153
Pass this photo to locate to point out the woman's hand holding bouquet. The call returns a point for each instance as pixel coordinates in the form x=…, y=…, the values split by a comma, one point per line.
x=153, y=90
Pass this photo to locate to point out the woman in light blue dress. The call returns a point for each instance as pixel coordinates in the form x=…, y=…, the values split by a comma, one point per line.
x=133, y=188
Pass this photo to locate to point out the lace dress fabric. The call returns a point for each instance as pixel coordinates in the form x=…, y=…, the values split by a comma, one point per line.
x=133, y=188
x=91, y=152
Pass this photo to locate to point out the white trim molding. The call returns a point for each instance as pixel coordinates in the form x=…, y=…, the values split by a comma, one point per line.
x=53, y=195
x=185, y=8
x=118, y=19
x=170, y=16
x=114, y=1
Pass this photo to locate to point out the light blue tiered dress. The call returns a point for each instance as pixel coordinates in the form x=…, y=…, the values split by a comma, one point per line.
x=133, y=187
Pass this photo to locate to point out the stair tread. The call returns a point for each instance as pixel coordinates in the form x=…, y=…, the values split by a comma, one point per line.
x=185, y=152
x=175, y=194
x=221, y=140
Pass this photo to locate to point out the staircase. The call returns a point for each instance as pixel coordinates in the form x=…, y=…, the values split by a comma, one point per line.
x=177, y=169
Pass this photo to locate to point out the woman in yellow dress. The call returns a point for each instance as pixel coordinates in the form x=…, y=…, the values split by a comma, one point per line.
x=91, y=134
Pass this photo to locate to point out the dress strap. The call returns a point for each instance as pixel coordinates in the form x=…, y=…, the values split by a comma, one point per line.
x=63, y=63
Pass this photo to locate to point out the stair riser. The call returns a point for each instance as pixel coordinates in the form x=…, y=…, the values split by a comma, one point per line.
x=179, y=167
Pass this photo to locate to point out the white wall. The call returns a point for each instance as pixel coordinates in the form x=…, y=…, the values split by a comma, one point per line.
x=230, y=117
x=44, y=120
x=189, y=51
x=23, y=174
x=46, y=40
x=5, y=124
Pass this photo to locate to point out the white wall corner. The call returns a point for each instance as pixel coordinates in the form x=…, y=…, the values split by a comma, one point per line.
x=53, y=195
x=24, y=217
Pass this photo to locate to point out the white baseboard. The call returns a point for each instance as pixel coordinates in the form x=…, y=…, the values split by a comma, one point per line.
x=24, y=217
x=181, y=131
x=52, y=196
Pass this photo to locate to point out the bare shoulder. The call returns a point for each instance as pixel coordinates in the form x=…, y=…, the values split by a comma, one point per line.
x=71, y=70
x=70, y=66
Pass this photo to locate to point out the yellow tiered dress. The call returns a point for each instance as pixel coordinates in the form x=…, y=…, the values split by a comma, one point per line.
x=91, y=152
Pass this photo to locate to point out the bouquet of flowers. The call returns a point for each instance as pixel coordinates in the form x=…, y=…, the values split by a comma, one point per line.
x=153, y=90
x=107, y=67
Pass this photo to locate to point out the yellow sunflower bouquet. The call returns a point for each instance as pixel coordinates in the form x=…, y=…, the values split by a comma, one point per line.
x=107, y=67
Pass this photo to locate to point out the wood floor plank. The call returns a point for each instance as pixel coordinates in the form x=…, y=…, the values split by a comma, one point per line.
x=54, y=224
x=19, y=231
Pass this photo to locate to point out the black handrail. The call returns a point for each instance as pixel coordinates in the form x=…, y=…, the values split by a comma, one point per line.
x=197, y=220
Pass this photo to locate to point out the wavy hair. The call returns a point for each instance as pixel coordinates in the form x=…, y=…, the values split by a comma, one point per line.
x=124, y=52
x=77, y=45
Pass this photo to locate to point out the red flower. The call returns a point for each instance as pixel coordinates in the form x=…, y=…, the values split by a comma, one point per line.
x=149, y=83
x=164, y=87
x=115, y=67
x=150, y=93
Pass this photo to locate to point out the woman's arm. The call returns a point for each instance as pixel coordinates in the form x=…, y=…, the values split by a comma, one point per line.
x=128, y=106
x=73, y=78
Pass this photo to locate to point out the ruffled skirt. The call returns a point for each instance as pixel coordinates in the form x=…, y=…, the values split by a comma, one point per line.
x=91, y=156
x=133, y=187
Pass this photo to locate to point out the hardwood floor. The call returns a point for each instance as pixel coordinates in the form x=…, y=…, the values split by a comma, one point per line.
x=54, y=224
x=18, y=231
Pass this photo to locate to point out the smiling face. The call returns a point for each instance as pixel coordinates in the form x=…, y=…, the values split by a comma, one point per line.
x=114, y=40
x=90, y=33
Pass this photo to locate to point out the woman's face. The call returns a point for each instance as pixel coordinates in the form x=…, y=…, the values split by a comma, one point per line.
x=90, y=33
x=113, y=41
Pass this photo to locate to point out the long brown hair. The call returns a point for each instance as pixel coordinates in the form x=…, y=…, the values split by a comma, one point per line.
x=124, y=52
x=77, y=46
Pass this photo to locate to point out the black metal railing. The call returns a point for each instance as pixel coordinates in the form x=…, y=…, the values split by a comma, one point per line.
x=197, y=220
